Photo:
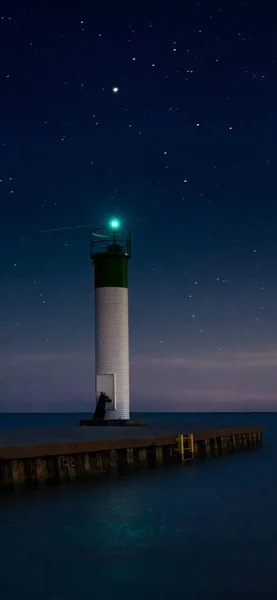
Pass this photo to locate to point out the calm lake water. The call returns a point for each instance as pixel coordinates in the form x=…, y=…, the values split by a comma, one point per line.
x=207, y=529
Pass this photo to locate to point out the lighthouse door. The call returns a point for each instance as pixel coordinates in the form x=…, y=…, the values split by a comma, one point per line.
x=106, y=383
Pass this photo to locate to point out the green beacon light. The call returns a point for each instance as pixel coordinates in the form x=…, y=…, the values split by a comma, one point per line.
x=114, y=224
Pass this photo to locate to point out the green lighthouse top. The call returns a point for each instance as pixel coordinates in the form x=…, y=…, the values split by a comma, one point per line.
x=110, y=255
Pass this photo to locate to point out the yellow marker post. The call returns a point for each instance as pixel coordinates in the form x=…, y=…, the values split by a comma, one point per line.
x=192, y=445
x=180, y=441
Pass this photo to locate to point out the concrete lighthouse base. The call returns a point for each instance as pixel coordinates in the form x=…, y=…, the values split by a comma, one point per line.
x=112, y=423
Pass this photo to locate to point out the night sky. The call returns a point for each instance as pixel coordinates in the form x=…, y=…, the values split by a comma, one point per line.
x=165, y=116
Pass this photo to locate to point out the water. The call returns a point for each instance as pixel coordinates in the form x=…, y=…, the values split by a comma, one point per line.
x=205, y=528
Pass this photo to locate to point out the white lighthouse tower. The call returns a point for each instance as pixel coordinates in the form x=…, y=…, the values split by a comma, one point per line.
x=110, y=256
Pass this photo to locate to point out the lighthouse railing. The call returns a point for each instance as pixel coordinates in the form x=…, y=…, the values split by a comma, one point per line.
x=102, y=244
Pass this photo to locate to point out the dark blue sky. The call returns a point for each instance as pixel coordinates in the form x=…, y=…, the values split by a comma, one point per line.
x=184, y=153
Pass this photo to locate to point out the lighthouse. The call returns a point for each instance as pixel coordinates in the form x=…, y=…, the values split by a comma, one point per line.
x=110, y=255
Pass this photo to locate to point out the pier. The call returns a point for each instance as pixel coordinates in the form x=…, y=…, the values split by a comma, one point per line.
x=50, y=456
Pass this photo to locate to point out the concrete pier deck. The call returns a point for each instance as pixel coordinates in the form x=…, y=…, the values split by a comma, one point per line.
x=34, y=456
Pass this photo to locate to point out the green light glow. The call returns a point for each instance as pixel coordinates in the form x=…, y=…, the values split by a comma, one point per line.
x=114, y=223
